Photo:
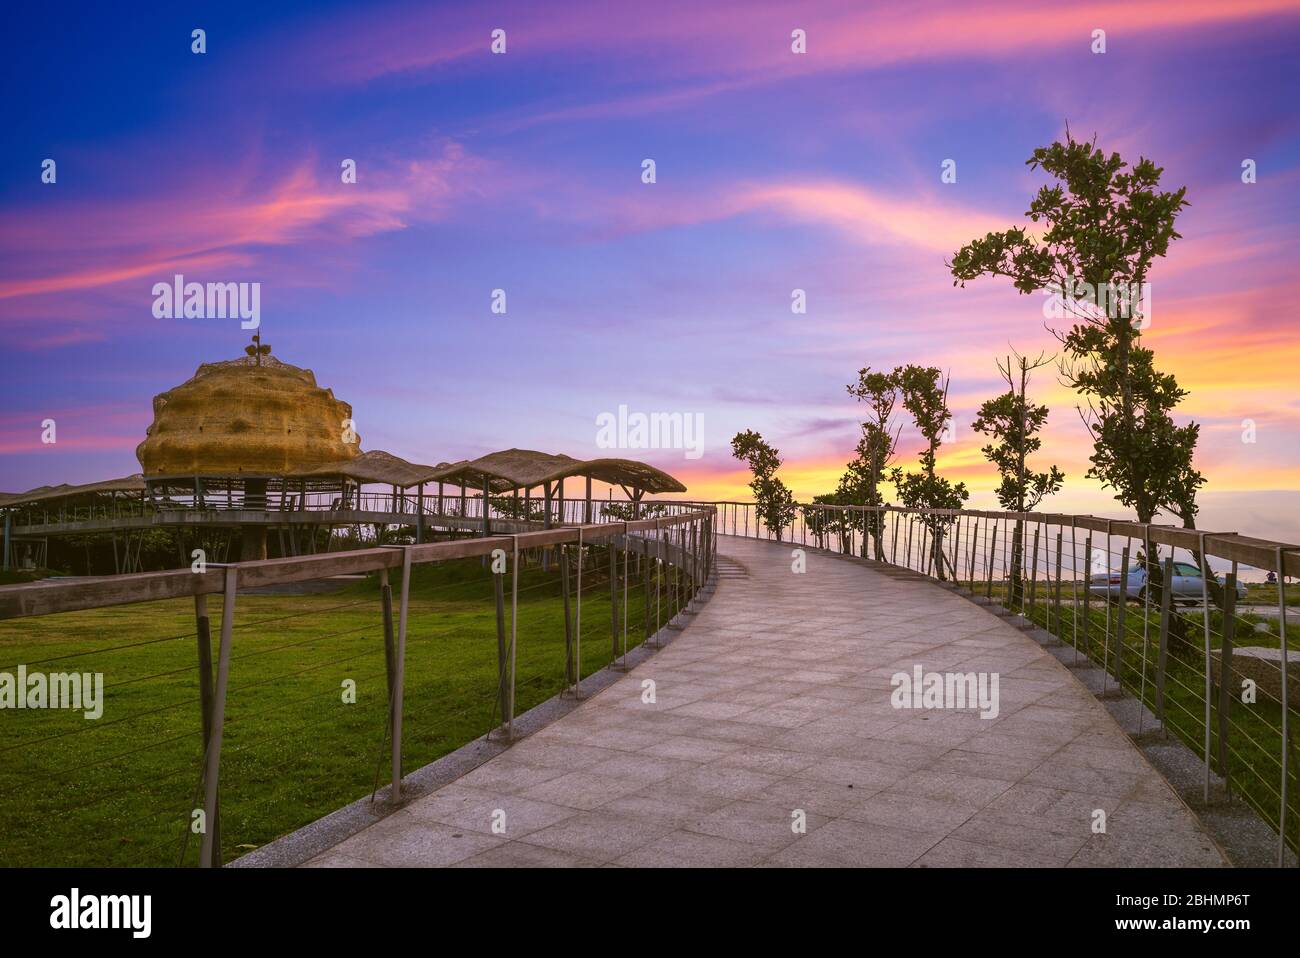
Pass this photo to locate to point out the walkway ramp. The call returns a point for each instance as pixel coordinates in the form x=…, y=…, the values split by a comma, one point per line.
x=773, y=710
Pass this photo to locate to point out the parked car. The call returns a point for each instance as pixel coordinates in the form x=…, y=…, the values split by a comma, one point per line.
x=1188, y=588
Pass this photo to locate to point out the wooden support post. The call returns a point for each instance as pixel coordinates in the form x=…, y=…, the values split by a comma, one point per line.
x=203, y=633
x=390, y=648
x=1119, y=618
x=399, y=673
x=1166, y=601
x=499, y=593
x=586, y=506
x=1087, y=598
x=577, y=621
x=1056, y=596
x=210, y=852
x=1225, y=672
x=569, y=674
x=613, y=602
x=645, y=586
x=1033, y=577
x=487, y=491
x=546, y=523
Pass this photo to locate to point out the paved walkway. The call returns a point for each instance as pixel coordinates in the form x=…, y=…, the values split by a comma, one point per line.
x=776, y=701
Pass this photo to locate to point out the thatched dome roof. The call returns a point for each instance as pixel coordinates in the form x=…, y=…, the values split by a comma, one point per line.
x=253, y=415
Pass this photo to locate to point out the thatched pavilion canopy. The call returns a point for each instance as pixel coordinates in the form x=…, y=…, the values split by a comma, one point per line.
x=525, y=468
x=131, y=484
x=375, y=466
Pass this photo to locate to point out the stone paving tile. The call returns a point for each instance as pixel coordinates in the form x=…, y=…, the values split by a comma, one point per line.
x=777, y=698
x=333, y=859
x=597, y=836
x=674, y=807
x=1056, y=839
x=641, y=768
x=500, y=775
x=912, y=812
x=956, y=853
x=847, y=844
x=403, y=841
x=523, y=855
x=517, y=816
x=828, y=799
x=583, y=790
x=680, y=849
x=958, y=789
x=691, y=749
x=766, y=824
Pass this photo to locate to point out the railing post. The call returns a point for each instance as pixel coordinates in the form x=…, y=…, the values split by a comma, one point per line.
x=577, y=628
x=399, y=673
x=209, y=853
x=1162, y=655
x=499, y=595
x=659, y=567
x=1121, y=613
x=626, y=577
x=1286, y=705
x=613, y=602
x=989, y=555
x=1205, y=608
x=645, y=589
x=956, y=552
x=514, y=628
x=1225, y=671
x=1056, y=597
x=203, y=633
x=568, y=618
x=390, y=650
x=1087, y=596
x=1033, y=579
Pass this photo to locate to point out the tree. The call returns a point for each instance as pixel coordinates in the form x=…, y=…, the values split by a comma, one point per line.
x=925, y=396
x=854, y=489
x=773, y=501
x=1106, y=224
x=626, y=511
x=1013, y=423
x=518, y=507
x=876, y=448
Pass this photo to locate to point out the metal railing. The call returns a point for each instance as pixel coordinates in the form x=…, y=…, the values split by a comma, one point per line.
x=662, y=561
x=1207, y=653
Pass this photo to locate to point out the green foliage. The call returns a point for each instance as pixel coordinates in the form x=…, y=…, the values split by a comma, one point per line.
x=1105, y=223
x=622, y=511
x=518, y=507
x=925, y=396
x=774, y=503
x=862, y=479
x=1013, y=424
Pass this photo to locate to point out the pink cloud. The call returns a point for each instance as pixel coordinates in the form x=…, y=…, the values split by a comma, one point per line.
x=727, y=44
x=209, y=224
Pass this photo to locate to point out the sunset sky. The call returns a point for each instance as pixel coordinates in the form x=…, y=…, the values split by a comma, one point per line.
x=522, y=172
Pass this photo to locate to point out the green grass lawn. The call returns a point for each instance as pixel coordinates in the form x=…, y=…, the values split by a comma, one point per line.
x=120, y=790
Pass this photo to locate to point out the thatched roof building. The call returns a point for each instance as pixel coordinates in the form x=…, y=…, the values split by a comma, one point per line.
x=249, y=416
